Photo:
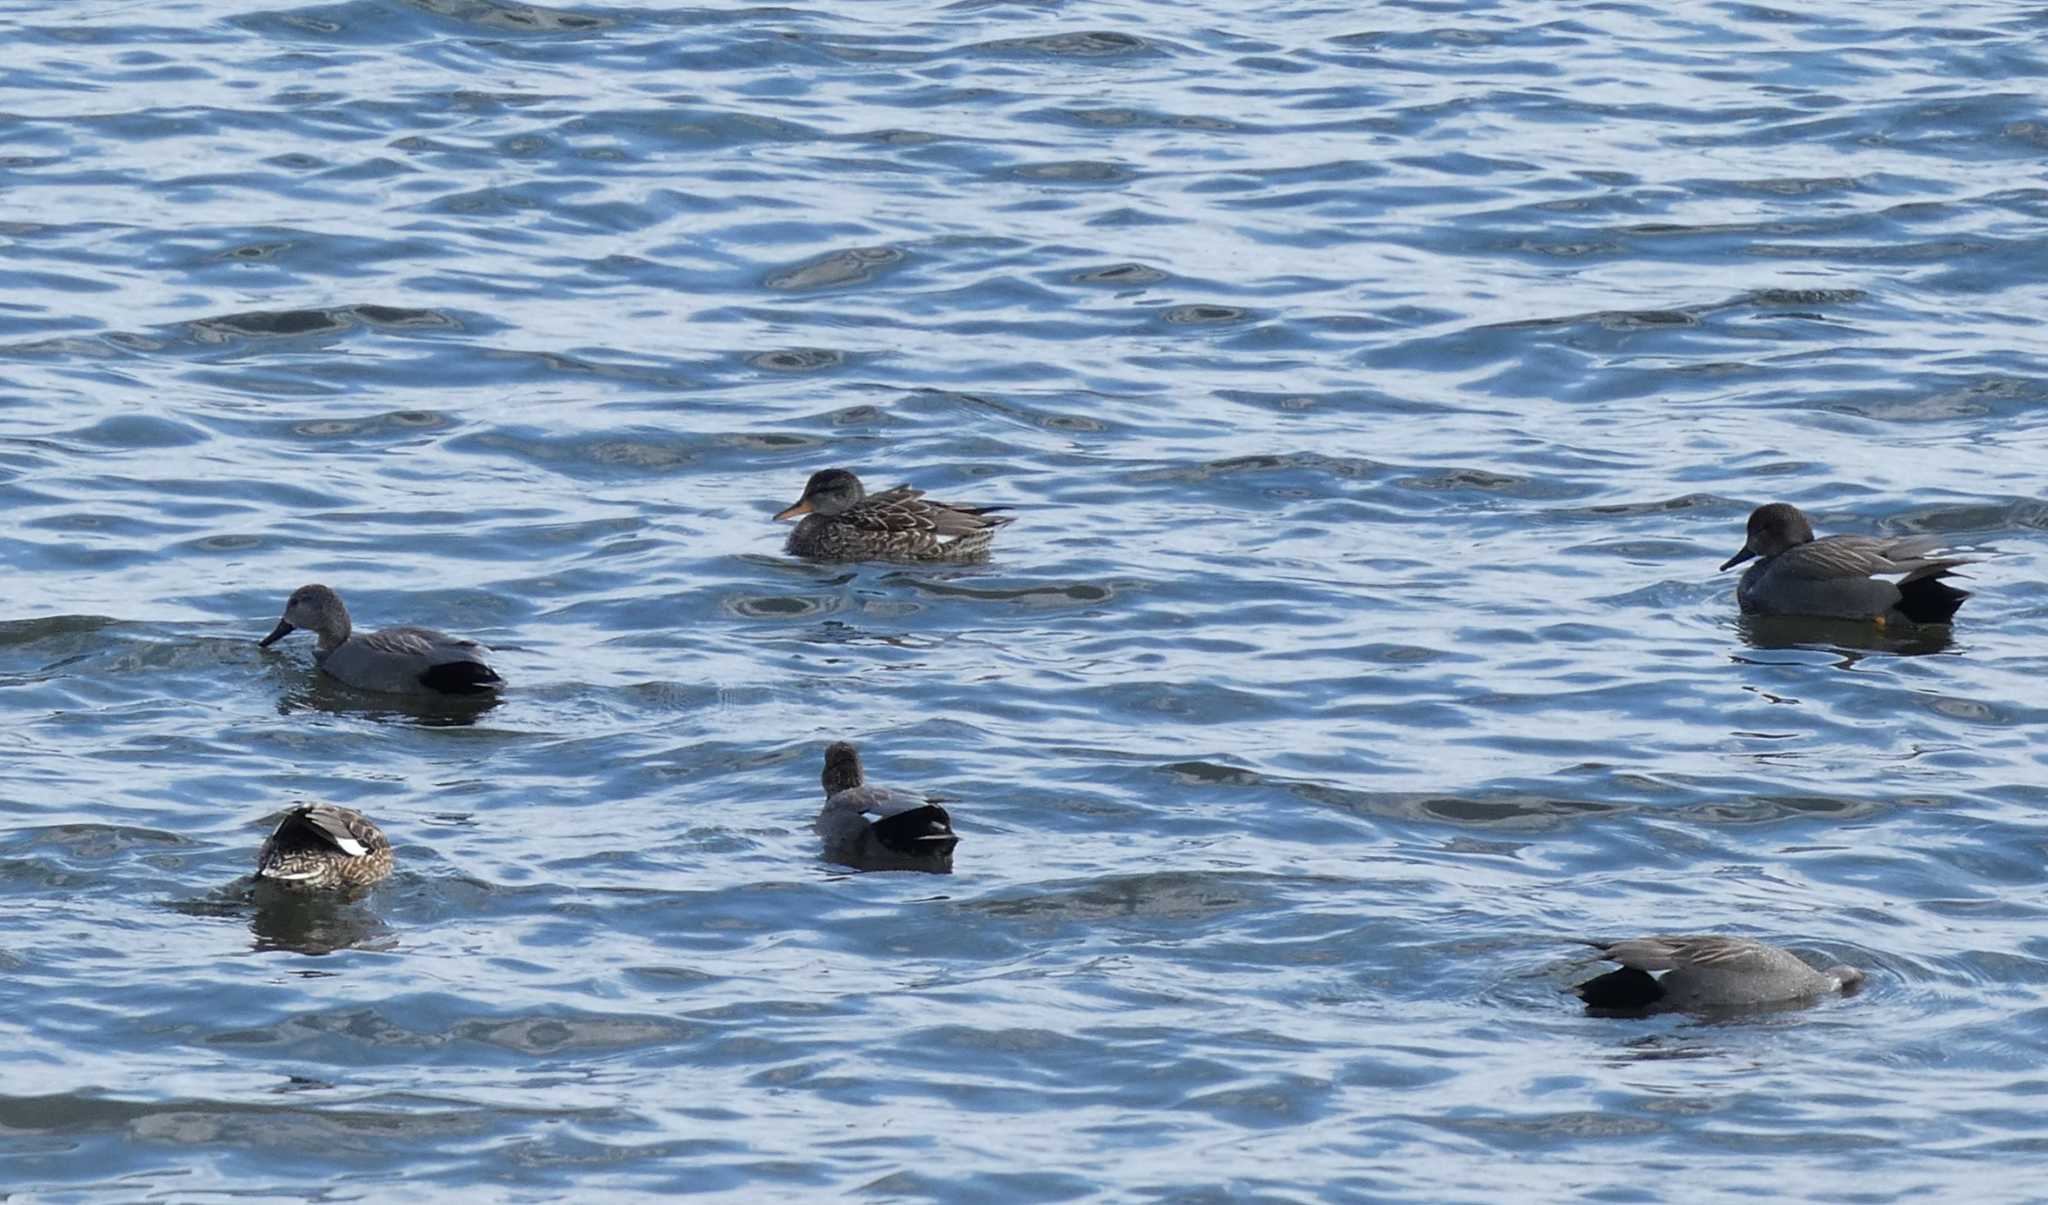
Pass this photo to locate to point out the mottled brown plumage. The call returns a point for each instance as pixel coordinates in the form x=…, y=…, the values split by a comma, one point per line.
x=841, y=522
x=319, y=846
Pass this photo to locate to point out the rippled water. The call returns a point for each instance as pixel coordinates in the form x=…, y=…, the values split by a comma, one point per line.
x=1377, y=390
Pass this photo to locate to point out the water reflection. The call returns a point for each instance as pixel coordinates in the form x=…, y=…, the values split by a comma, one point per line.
x=303, y=922
x=1725, y=1014
x=315, y=923
x=1845, y=635
x=318, y=692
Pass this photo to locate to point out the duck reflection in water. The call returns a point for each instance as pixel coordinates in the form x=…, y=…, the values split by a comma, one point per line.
x=319, y=692
x=316, y=923
x=1845, y=635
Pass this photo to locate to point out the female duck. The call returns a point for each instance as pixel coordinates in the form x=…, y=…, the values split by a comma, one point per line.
x=842, y=523
x=319, y=846
x=407, y=660
x=908, y=832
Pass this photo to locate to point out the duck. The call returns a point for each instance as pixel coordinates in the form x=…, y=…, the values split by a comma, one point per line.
x=1841, y=577
x=908, y=832
x=404, y=660
x=1706, y=973
x=322, y=846
x=841, y=522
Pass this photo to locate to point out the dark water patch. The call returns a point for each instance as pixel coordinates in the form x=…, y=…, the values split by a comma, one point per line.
x=798, y=359
x=138, y=432
x=859, y=265
x=784, y=606
x=1612, y=320
x=1138, y=899
x=1009, y=408
x=29, y=631
x=1658, y=506
x=1779, y=810
x=771, y=441
x=226, y=542
x=1073, y=171
x=1305, y=462
x=1482, y=481
x=1084, y=44
x=1087, y=594
x=1945, y=401
x=1204, y=315
x=1122, y=118
x=398, y=421
x=1120, y=276
x=289, y=324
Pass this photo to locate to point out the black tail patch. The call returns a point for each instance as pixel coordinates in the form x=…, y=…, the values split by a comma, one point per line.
x=1929, y=599
x=1625, y=990
x=461, y=678
x=925, y=832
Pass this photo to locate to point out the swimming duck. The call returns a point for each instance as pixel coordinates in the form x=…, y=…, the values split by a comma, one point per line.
x=842, y=523
x=1706, y=973
x=1840, y=577
x=318, y=846
x=406, y=660
x=909, y=832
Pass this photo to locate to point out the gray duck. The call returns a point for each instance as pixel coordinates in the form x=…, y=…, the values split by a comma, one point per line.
x=1841, y=577
x=1703, y=974
x=907, y=832
x=402, y=660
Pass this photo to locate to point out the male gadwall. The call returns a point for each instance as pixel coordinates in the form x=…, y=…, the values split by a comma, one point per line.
x=843, y=524
x=909, y=832
x=1704, y=974
x=1840, y=577
x=412, y=661
x=318, y=846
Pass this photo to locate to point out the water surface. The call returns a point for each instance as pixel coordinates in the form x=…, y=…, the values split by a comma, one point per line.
x=1377, y=389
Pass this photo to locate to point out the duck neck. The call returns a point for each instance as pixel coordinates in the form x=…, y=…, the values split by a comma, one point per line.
x=841, y=775
x=335, y=632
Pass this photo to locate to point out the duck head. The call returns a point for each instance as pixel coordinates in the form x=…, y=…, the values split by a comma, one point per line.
x=316, y=608
x=1772, y=529
x=842, y=768
x=828, y=492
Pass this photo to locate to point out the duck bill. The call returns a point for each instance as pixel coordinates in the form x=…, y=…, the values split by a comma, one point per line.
x=801, y=508
x=277, y=633
x=1746, y=553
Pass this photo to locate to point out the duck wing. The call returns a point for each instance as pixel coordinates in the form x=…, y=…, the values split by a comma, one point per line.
x=923, y=831
x=448, y=664
x=424, y=642
x=876, y=801
x=1674, y=953
x=337, y=828
x=907, y=510
x=1837, y=557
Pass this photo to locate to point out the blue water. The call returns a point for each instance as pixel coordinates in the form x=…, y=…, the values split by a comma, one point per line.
x=1377, y=389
